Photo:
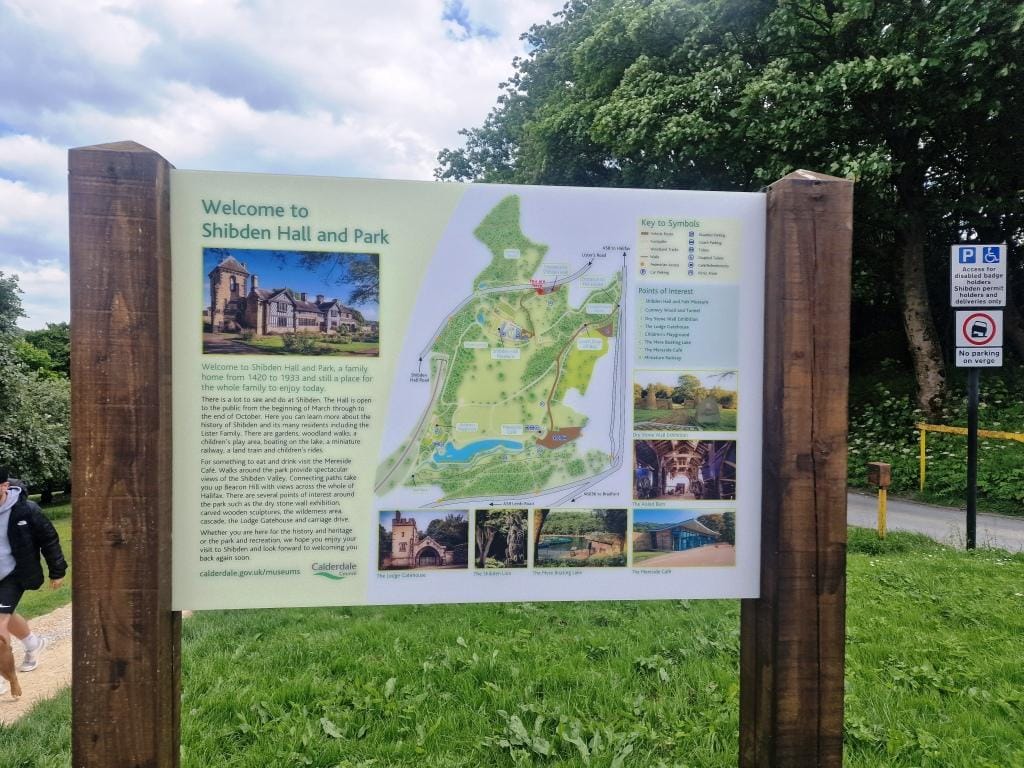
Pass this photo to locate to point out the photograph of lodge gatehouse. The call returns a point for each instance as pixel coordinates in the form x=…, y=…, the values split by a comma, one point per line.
x=245, y=317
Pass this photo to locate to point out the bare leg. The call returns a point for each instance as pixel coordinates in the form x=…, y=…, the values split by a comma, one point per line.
x=7, y=670
x=19, y=627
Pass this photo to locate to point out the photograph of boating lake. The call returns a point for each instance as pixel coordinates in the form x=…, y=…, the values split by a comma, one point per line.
x=579, y=538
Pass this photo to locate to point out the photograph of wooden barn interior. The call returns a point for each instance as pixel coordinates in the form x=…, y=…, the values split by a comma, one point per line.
x=684, y=469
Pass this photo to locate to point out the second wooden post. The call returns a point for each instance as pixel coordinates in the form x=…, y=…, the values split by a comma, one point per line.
x=792, y=637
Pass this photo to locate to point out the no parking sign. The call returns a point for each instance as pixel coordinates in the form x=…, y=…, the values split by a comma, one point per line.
x=979, y=338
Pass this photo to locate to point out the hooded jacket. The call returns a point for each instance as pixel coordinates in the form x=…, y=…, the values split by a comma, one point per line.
x=31, y=533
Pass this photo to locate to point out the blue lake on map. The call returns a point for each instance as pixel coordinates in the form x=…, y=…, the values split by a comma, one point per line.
x=467, y=452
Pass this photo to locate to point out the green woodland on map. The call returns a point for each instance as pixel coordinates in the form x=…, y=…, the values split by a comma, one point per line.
x=501, y=365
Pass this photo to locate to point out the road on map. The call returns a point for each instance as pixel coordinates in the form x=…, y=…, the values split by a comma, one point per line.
x=944, y=524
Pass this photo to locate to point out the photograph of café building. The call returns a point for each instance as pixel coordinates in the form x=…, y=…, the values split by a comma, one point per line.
x=684, y=469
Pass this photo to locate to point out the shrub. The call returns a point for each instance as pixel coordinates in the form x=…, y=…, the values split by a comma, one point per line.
x=299, y=343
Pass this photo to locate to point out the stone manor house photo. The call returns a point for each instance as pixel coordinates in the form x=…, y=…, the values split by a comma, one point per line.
x=244, y=317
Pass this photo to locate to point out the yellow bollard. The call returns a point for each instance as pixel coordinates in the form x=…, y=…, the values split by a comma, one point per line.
x=880, y=474
x=923, y=453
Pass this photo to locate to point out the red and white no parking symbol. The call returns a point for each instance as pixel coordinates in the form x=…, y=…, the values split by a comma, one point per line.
x=979, y=329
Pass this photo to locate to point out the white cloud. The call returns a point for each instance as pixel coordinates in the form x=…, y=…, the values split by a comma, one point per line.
x=104, y=32
x=34, y=160
x=46, y=290
x=310, y=87
x=32, y=213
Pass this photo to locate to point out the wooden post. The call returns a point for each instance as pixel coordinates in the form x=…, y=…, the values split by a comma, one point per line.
x=792, y=637
x=126, y=668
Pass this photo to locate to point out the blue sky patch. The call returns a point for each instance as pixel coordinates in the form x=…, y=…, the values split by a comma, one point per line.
x=456, y=11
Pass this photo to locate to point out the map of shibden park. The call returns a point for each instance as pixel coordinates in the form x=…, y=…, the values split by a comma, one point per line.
x=504, y=365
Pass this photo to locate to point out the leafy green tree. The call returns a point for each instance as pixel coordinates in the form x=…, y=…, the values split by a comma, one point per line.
x=35, y=409
x=662, y=391
x=35, y=415
x=35, y=359
x=10, y=304
x=501, y=532
x=688, y=387
x=451, y=531
x=359, y=271
x=729, y=528
x=55, y=341
x=919, y=101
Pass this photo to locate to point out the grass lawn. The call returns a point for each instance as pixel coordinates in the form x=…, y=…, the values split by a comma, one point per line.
x=44, y=599
x=683, y=417
x=639, y=557
x=935, y=677
x=275, y=345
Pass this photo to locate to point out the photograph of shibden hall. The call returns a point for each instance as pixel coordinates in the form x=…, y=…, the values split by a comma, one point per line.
x=404, y=546
x=271, y=311
x=684, y=469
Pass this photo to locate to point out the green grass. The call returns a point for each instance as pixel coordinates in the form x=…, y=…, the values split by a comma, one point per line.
x=275, y=345
x=684, y=417
x=639, y=557
x=43, y=600
x=935, y=677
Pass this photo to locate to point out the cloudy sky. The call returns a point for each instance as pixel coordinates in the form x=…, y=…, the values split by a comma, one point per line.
x=331, y=87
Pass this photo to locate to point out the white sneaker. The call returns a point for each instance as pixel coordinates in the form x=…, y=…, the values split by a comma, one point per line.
x=31, y=660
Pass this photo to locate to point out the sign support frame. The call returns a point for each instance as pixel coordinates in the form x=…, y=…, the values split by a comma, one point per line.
x=126, y=668
x=127, y=662
x=792, y=638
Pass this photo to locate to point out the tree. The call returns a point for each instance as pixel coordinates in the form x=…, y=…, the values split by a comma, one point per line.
x=36, y=360
x=35, y=415
x=10, y=304
x=688, y=387
x=662, y=391
x=505, y=531
x=360, y=272
x=55, y=341
x=35, y=408
x=729, y=528
x=450, y=531
x=919, y=102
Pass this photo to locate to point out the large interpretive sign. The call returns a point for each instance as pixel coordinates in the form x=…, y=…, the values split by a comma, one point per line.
x=405, y=392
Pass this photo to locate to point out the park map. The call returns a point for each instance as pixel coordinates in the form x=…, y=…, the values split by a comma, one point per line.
x=504, y=365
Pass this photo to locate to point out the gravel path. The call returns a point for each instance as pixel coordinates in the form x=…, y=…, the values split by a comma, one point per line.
x=54, y=671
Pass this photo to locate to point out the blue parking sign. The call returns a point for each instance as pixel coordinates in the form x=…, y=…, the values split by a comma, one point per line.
x=968, y=255
x=990, y=254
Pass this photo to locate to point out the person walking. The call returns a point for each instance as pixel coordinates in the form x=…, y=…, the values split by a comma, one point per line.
x=25, y=533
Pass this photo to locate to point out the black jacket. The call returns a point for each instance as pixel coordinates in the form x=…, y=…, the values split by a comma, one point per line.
x=31, y=533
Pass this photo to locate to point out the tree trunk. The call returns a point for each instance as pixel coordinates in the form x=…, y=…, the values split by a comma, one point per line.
x=923, y=341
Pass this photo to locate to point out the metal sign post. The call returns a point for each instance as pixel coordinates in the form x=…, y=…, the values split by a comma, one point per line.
x=977, y=279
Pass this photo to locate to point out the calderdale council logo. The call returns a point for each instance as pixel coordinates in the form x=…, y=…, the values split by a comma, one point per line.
x=333, y=571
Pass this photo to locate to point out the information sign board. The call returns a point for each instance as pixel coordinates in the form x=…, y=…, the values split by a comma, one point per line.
x=977, y=276
x=405, y=392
